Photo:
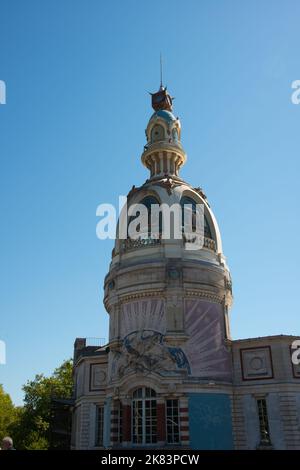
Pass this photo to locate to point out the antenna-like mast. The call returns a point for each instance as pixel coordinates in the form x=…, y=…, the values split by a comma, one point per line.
x=161, y=72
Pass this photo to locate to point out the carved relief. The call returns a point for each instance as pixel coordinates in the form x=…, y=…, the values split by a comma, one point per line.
x=97, y=377
x=168, y=184
x=256, y=363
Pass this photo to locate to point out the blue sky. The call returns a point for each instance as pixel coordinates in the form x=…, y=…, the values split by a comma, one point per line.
x=72, y=132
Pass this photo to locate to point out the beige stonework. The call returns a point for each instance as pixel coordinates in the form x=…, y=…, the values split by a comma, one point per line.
x=169, y=332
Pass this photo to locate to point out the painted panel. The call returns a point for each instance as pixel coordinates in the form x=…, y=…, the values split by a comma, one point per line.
x=205, y=350
x=210, y=421
x=145, y=351
x=143, y=348
x=143, y=315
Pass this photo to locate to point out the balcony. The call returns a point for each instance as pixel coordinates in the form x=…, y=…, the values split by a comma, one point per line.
x=146, y=241
x=141, y=242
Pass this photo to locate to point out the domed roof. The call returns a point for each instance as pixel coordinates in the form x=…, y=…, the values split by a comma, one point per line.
x=164, y=114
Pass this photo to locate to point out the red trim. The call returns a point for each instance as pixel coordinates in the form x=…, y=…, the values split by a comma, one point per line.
x=126, y=421
x=184, y=428
x=161, y=422
x=185, y=438
x=184, y=418
x=183, y=410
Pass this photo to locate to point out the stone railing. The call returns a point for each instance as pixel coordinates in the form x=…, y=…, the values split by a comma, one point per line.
x=141, y=242
x=203, y=242
x=144, y=242
x=209, y=243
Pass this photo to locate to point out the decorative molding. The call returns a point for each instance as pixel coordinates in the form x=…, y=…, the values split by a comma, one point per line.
x=161, y=293
x=142, y=295
x=206, y=295
x=168, y=184
x=256, y=363
x=97, y=377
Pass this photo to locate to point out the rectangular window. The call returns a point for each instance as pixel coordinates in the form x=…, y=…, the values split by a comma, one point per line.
x=137, y=421
x=172, y=418
x=144, y=420
x=99, y=426
x=150, y=421
x=263, y=422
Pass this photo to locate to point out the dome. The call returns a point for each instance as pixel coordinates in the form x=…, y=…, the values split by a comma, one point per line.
x=164, y=114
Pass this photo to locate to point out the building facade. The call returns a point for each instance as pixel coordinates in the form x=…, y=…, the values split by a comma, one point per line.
x=171, y=376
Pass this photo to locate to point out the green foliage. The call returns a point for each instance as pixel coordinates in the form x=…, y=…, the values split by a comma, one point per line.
x=8, y=413
x=31, y=427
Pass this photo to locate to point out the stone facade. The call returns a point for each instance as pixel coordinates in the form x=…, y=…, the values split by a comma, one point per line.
x=171, y=375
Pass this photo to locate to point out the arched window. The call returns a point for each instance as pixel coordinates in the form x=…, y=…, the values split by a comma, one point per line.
x=175, y=134
x=148, y=201
x=144, y=416
x=188, y=200
x=157, y=133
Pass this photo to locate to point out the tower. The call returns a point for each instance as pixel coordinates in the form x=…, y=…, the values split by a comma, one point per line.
x=168, y=305
x=170, y=375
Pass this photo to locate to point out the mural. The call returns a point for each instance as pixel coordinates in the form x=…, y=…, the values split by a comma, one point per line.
x=205, y=350
x=145, y=351
x=143, y=315
x=143, y=348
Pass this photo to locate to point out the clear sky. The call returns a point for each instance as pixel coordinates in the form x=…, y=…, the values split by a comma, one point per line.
x=71, y=135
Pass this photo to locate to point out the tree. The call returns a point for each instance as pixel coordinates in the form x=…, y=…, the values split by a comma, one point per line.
x=32, y=429
x=8, y=413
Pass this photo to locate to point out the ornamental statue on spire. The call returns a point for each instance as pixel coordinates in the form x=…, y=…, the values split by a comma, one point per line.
x=161, y=99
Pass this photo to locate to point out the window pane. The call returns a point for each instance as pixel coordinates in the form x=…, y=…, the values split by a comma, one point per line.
x=172, y=415
x=99, y=426
x=263, y=421
x=144, y=416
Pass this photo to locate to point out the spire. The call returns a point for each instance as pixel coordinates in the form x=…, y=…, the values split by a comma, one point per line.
x=161, y=99
x=161, y=73
x=163, y=153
